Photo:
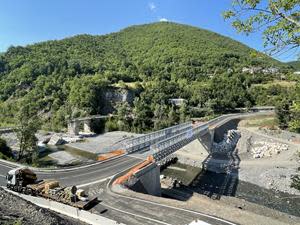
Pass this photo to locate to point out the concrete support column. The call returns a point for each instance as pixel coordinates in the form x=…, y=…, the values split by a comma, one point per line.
x=87, y=126
x=73, y=128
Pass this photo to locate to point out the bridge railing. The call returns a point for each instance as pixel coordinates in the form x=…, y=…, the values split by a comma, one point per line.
x=142, y=142
x=166, y=147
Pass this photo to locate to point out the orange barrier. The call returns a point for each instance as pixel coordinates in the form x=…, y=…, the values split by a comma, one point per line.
x=110, y=155
x=133, y=170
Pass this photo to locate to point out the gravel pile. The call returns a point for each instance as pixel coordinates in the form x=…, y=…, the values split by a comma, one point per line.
x=263, y=149
x=15, y=210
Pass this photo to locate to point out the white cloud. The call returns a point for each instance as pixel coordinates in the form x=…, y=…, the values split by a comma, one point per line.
x=163, y=20
x=152, y=6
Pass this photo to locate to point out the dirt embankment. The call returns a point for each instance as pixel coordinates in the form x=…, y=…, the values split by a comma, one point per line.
x=15, y=210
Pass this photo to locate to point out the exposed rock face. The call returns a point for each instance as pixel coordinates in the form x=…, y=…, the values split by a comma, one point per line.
x=112, y=96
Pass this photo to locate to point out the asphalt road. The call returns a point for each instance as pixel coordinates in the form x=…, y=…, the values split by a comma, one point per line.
x=133, y=210
x=81, y=176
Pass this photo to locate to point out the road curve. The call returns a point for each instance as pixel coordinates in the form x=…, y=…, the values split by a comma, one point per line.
x=80, y=176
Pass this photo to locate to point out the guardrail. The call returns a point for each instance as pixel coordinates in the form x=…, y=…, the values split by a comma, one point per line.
x=168, y=146
x=144, y=141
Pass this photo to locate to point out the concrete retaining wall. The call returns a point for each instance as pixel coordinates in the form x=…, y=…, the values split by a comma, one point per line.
x=148, y=180
x=82, y=215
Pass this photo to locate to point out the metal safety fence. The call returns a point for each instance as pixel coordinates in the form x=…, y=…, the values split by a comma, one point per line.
x=144, y=141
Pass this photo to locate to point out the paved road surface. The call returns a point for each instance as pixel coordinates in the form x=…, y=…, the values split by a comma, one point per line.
x=81, y=176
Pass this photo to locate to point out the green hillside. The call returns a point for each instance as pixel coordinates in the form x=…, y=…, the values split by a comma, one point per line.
x=295, y=65
x=64, y=78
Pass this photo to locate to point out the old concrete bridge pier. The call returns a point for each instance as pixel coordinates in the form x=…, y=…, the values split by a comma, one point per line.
x=74, y=125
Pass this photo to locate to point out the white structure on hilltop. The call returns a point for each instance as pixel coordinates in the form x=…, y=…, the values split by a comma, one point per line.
x=177, y=101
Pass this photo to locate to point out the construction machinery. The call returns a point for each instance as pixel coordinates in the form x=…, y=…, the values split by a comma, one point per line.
x=24, y=180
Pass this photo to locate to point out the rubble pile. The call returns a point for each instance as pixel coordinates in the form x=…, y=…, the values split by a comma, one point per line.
x=267, y=149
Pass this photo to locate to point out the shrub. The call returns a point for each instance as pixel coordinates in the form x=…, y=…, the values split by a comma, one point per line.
x=5, y=151
x=111, y=125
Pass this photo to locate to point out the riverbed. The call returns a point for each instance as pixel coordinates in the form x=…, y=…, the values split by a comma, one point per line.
x=216, y=185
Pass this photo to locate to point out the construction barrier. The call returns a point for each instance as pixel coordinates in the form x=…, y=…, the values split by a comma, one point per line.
x=110, y=155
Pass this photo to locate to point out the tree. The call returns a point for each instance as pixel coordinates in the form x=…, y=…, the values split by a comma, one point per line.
x=279, y=20
x=160, y=116
x=282, y=113
x=142, y=115
x=124, y=116
x=28, y=124
x=183, y=113
x=5, y=151
x=294, y=124
x=172, y=116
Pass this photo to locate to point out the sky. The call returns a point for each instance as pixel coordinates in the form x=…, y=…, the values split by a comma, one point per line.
x=25, y=22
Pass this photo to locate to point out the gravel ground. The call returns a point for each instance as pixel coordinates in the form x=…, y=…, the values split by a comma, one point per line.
x=15, y=210
x=271, y=172
x=292, y=137
x=102, y=143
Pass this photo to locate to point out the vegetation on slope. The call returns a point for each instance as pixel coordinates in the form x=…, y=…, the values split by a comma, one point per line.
x=295, y=65
x=64, y=79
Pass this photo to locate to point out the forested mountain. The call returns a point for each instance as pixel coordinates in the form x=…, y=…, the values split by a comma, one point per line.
x=64, y=78
x=295, y=65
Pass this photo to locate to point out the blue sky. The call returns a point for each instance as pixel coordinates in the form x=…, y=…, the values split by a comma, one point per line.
x=28, y=21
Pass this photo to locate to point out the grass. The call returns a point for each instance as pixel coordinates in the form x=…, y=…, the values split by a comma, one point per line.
x=261, y=121
x=78, y=152
x=46, y=161
x=6, y=124
x=282, y=83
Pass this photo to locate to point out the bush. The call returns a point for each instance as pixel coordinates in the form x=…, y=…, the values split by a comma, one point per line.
x=111, y=125
x=5, y=151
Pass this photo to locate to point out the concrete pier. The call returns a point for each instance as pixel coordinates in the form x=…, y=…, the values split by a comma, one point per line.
x=73, y=128
x=87, y=126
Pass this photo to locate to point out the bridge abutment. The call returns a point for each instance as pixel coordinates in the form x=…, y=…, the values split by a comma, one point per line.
x=147, y=180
